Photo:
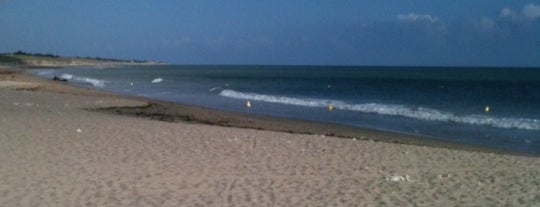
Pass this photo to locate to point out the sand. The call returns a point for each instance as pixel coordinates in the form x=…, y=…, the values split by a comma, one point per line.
x=59, y=148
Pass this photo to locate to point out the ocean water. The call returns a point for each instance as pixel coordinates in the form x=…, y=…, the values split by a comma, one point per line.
x=494, y=107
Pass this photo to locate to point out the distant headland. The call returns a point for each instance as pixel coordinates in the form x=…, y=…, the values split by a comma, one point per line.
x=32, y=60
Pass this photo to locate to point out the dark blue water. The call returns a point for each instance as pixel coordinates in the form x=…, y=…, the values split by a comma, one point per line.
x=495, y=107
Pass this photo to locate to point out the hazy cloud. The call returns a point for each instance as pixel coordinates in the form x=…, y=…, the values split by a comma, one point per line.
x=528, y=12
x=180, y=41
x=531, y=11
x=509, y=13
x=487, y=24
x=413, y=17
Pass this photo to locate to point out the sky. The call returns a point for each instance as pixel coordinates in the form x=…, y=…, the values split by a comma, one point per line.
x=280, y=32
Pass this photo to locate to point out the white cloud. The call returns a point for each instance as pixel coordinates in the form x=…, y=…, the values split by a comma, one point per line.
x=531, y=11
x=528, y=12
x=413, y=17
x=507, y=12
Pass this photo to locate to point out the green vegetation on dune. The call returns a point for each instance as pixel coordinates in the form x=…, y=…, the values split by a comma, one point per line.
x=21, y=53
x=24, y=59
x=9, y=59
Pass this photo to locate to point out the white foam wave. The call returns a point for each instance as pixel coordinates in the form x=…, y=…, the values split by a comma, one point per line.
x=420, y=113
x=157, y=80
x=85, y=80
x=67, y=76
x=215, y=89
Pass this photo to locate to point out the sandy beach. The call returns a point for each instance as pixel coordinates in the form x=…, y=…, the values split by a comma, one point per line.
x=66, y=146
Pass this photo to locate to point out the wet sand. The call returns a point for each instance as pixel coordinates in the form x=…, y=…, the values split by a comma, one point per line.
x=67, y=146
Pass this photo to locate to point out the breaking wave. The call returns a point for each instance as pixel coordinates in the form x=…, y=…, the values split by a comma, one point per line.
x=84, y=80
x=420, y=113
x=157, y=80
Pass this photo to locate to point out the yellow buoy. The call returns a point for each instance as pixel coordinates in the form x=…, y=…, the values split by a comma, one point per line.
x=486, y=109
x=248, y=104
x=330, y=107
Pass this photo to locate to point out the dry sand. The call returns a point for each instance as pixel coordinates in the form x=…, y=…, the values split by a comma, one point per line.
x=56, y=150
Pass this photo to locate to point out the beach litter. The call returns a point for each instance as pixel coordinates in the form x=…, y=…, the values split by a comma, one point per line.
x=397, y=178
x=440, y=176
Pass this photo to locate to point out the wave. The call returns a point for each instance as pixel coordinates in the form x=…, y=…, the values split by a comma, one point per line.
x=215, y=89
x=157, y=80
x=420, y=113
x=84, y=80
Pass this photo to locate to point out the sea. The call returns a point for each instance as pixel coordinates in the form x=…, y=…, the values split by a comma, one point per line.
x=491, y=107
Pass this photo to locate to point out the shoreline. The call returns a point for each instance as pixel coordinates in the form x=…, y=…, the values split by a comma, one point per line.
x=57, y=150
x=180, y=112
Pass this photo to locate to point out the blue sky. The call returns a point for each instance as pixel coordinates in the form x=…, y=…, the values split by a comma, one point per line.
x=306, y=32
